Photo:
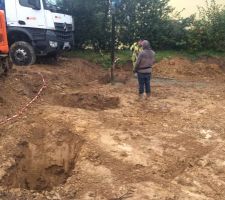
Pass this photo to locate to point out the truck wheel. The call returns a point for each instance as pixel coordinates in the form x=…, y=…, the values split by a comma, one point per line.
x=22, y=53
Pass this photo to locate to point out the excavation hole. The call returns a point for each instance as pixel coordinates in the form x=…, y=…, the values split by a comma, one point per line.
x=44, y=162
x=87, y=101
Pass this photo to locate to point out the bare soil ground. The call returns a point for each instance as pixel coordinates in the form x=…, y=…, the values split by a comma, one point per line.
x=85, y=139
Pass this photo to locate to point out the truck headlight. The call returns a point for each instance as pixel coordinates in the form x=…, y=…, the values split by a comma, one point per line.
x=53, y=44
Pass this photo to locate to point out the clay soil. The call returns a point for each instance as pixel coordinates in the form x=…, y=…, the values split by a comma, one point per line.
x=86, y=139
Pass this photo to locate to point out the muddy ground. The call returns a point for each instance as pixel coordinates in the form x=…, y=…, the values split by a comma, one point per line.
x=85, y=139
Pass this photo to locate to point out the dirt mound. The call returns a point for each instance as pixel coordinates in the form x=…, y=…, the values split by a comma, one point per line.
x=40, y=165
x=182, y=67
x=80, y=69
x=70, y=72
x=16, y=90
x=22, y=84
x=87, y=101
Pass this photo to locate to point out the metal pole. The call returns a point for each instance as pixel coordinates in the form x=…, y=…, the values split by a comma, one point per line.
x=113, y=46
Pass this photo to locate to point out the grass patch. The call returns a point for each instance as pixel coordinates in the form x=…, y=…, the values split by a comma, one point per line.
x=100, y=58
x=104, y=59
x=188, y=54
x=209, y=53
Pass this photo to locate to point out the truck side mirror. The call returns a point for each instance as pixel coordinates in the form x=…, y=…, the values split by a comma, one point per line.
x=35, y=4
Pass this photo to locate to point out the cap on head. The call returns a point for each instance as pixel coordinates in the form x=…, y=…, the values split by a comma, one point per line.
x=146, y=44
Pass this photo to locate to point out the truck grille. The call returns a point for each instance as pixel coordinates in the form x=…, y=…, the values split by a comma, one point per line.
x=64, y=36
x=64, y=32
x=63, y=27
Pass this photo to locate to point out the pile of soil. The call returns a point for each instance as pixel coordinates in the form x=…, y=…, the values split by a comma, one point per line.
x=186, y=69
x=17, y=89
x=22, y=84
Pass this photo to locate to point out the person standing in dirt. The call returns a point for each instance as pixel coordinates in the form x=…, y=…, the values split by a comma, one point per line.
x=143, y=67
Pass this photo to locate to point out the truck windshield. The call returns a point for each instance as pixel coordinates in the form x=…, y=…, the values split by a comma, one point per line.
x=56, y=6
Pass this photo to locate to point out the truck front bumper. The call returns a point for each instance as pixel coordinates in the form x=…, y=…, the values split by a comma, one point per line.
x=53, y=43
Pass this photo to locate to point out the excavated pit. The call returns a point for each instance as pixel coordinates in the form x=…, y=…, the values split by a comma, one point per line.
x=88, y=101
x=41, y=164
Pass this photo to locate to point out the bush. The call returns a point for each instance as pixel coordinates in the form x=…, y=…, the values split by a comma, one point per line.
x=208, y=31
x=151, y=20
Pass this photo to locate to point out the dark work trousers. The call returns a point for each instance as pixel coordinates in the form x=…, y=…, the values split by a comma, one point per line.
x=144, y=83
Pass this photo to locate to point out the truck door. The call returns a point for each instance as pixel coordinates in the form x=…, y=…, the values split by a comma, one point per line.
x=30, y=13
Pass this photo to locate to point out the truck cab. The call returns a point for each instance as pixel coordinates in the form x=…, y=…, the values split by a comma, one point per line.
x=37, y=28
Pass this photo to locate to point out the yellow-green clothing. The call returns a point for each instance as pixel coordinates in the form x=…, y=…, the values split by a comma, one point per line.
x=136, y=50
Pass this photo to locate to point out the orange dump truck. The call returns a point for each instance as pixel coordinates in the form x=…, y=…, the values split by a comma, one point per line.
x=4, y=48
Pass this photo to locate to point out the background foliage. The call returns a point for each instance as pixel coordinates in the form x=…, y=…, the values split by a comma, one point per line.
x=154, y=20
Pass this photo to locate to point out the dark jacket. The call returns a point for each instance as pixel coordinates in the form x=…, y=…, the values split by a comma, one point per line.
x=145, y=59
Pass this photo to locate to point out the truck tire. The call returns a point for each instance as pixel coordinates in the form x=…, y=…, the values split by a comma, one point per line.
x=22, y=53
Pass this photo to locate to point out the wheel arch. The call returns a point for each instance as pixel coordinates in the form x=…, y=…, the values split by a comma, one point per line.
x=16, y=34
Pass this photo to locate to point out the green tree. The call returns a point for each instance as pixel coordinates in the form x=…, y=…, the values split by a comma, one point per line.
x=91, y=23
x=208, y=31
x=148, y=19
x=144, y=19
